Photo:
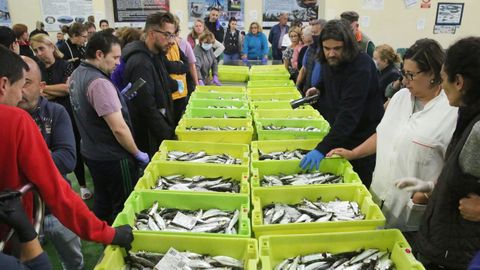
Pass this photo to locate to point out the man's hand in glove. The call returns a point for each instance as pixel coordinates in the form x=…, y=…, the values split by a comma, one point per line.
x=13, y=214
x=123, y=237
x=414, y=184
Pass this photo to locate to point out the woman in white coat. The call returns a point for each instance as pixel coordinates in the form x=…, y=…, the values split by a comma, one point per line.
x=412, y=137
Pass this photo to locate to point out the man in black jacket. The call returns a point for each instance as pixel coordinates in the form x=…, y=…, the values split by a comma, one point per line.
x=350, y=98
x=152, y=109
x=213, y=24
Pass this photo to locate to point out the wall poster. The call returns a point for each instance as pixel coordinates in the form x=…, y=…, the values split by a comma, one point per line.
x=5, y=19
x=199, y=9
x=449, y=14
x=134, y=13
x=297, y=9
x=56, y=13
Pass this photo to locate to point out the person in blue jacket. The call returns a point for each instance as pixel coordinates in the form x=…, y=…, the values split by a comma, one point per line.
x=255, y=45
x=276, y=34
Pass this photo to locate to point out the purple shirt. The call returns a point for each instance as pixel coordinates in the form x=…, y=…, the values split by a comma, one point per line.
x=102, y=94
x=187, y=50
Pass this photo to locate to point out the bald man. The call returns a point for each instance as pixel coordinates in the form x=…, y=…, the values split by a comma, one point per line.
x=56, y=128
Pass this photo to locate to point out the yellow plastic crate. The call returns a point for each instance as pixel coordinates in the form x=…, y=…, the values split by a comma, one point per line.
x=261, y=197
x=275, y=249
x=217, y=113
x=159, y=168
x=269, y=83
x=206, y=103
x=337, y=166
x=219, y=96
x=276, y=97
x=240, y=151
x=290, y=135
x=141, y=200
x=258, y=115
x=235, y=136
x=241, y=249
x=272, y=90
x=220, y=89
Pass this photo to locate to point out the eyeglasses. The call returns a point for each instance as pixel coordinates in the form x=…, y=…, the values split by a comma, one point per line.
x=166, y=34
x=409, y=75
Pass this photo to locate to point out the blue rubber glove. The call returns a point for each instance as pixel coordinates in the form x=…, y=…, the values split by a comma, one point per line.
x=216, y=81
x=142, y=158
x=181, y=87
x=201, y=83
x=312, y=160
x=124, y=92
x=264, y=60
x=245, y=60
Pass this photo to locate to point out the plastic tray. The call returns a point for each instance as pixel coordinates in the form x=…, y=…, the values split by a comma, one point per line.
x=269, y=76
x=158, y=168
x=263, y=68
x=140, y=200
x=337, y=166
x=292, y=195
x=220, y=89
x=232, y=76
x=243, y=249
x=269, y=83
x=286, y=114
x=205, y=103
x=235, y=136
x=290, y=135
x=272, y=90
x=275, y=97
x=275, y=249
x=217, y=113
x=219, y=96
x=240, y=151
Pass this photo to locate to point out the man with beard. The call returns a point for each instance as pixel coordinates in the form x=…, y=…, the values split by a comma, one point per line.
x=104, y=123
x=152, y=109
x=349, y=97
x=213, y=24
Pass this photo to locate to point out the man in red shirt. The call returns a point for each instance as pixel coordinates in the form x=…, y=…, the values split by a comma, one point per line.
x=25, y=158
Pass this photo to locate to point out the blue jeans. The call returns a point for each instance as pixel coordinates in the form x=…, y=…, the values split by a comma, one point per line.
x=231, y=57
x=67, y=244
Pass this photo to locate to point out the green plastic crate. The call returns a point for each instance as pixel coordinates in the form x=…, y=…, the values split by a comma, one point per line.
x=256, y=76
x=292, y=195
x=275, y=249
x=259, y=105
x=337, y=166
x=232, y=76
x=264, y=68
x=290, y=135
x=275, y=97
x=140, y=200
x=219, y=96
x=217, y=113
x=240, y=151
x=272, y=90
x=205, y=103
x=235, y=136
x=269, y=83
x=159, y=168
x=242, y=249
x=258, y=115
x=220, y=89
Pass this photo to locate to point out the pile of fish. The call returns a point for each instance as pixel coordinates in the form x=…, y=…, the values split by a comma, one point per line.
x=197, y=183
x=202, y=157
x=178, y=220
x=301, y=179
x=364, y=259
x=212, y=128
x=232, y=98
x=308, y=211
x=284, y=128
x=225, y=116
x=223, y=107
x=148, y=260
x=285, y=155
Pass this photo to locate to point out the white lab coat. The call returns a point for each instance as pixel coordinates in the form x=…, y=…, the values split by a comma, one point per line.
x=410, y=144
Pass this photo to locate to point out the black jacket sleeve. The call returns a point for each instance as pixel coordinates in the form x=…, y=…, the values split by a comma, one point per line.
x=177, y=67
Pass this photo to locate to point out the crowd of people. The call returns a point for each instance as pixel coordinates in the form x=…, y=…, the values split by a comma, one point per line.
x=409, y=125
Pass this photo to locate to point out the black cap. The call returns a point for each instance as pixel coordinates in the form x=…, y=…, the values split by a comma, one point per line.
x=7, y=36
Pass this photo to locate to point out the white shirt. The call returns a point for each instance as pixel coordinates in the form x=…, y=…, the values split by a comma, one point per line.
x=410, y=144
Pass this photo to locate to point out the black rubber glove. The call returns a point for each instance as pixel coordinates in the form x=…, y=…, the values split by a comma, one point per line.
x=123, y=237
x=12, y=213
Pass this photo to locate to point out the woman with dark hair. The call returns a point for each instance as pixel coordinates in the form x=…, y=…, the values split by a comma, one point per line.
x=73, y=49
x=411, y=139
x=232, y=42
x=449, y=234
